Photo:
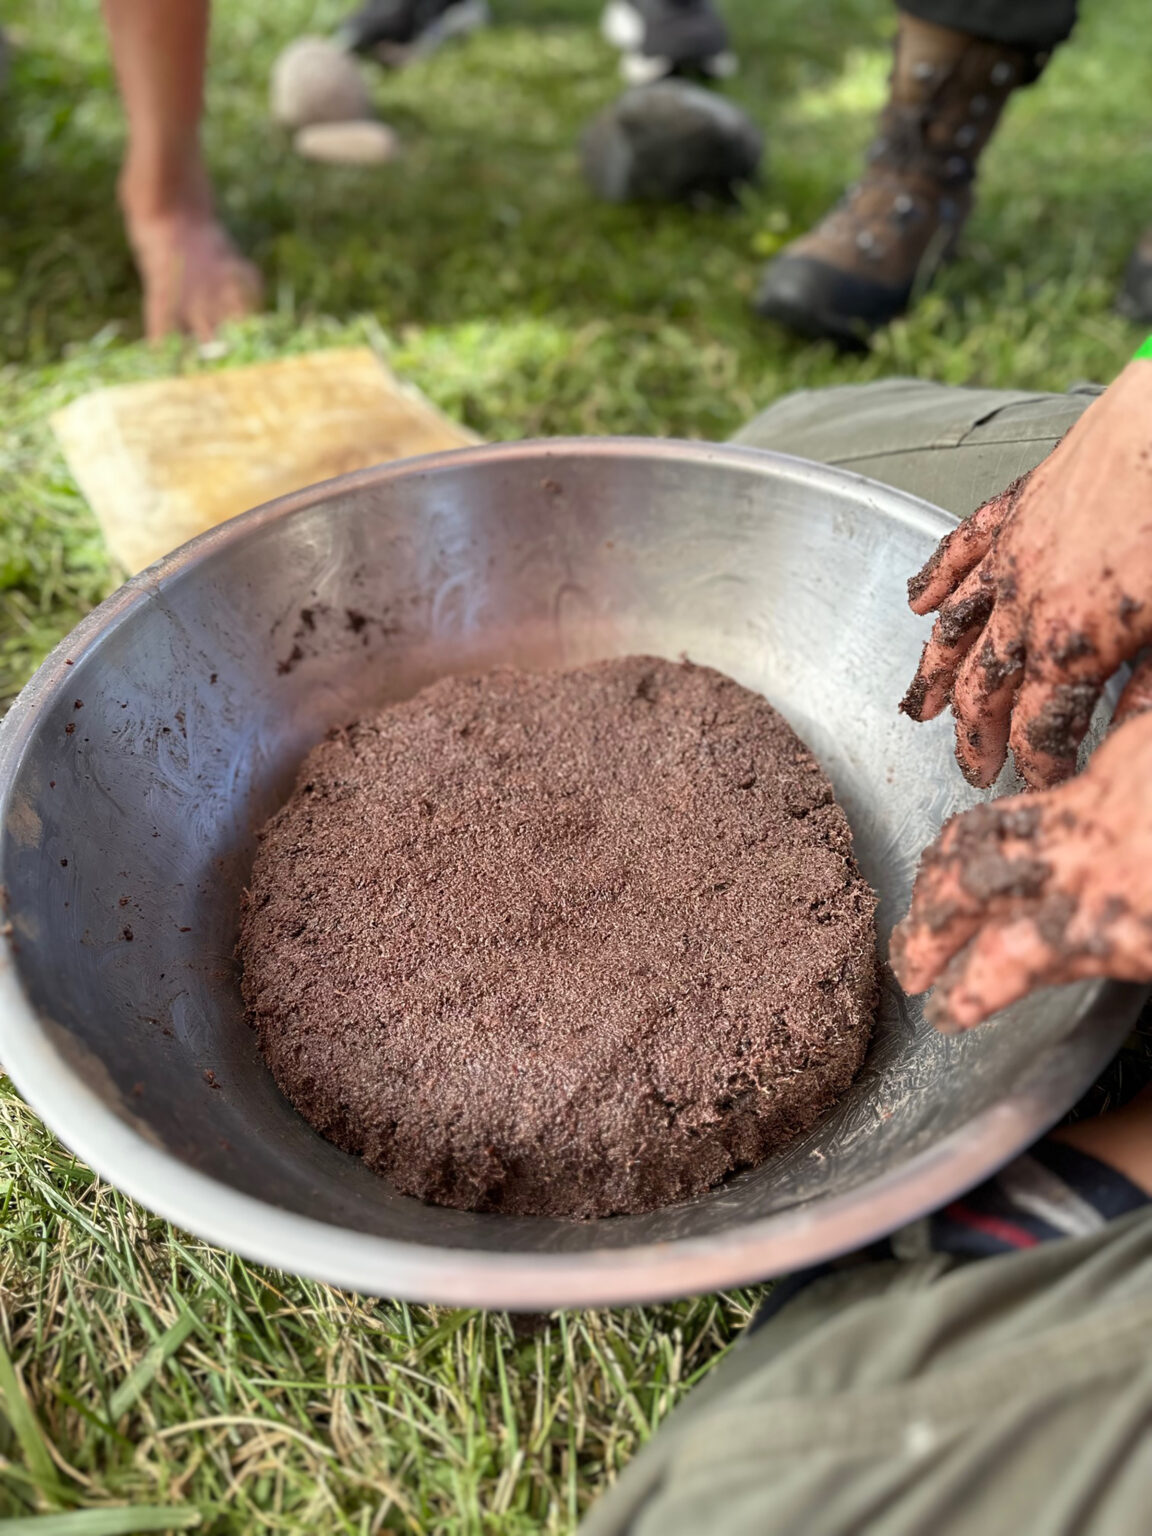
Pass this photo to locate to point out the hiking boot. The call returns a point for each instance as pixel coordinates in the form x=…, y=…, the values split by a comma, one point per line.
x=1135, y=299
x=658, y=38
x=860, y=266
x=395, y=31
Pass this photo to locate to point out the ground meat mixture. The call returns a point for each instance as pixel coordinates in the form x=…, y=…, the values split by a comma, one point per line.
x=566, y=944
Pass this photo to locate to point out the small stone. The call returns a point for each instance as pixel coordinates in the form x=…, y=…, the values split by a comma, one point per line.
x=670, y=142
x=347, y=143
x=314, y=81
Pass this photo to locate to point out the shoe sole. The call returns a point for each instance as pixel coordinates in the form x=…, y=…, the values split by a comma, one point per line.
x=819, y=326
x=622, y=26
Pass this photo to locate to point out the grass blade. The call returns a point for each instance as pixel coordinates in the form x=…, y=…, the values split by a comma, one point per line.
x=26, y=1427
x=149, y=1365
x=105, y=1522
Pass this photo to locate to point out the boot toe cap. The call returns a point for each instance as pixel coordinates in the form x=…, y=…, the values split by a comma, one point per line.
x=816, y=299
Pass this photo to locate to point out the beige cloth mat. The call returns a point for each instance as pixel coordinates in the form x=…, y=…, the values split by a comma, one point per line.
x=161, y=462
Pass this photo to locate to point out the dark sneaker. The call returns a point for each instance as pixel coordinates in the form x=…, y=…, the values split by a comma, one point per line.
x=671, y=142
x=1135, y=299
x=395, y=31
x=658, y=38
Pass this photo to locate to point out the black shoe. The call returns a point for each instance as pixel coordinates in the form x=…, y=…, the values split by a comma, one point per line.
x=671, y=142
x=668, y=37
x=394, y=31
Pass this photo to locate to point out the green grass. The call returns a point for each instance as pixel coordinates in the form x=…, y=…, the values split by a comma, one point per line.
x=140, y=1367
x=142, y=1370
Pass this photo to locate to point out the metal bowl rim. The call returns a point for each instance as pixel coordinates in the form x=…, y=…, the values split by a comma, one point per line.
x=527, y=1280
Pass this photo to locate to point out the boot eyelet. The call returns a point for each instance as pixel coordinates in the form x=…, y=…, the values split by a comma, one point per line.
x=1002, y=73
x=957, y=167
x=964, y=136
x=904, y=209
x=978, y=106
x=923, y=70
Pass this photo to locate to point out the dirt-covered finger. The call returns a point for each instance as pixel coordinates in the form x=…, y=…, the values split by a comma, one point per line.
x=987, y=861
x=961, y=551
x=1003, y=963
x=983, y=694
x=1049, y=721
x=959, y=626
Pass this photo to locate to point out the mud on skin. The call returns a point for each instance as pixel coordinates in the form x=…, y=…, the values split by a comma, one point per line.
x=1059, y=727
x=970, y=850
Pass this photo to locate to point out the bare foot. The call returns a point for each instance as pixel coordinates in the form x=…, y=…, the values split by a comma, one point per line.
x=194, y=278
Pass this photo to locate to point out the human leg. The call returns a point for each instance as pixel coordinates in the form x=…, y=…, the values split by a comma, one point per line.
x=193, y=276
x=953, y=447
x=930, y=1388
x=862, y=264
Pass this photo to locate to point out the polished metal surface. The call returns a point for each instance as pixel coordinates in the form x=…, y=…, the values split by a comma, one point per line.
x=136, y=765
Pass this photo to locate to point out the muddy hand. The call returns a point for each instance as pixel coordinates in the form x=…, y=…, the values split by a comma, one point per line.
x=1029, y=891
x=1042, y=594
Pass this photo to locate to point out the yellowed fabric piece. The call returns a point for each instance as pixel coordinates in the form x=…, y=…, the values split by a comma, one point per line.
x=161, y=462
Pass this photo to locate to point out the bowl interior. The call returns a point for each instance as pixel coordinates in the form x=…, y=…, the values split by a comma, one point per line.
x=137, y=766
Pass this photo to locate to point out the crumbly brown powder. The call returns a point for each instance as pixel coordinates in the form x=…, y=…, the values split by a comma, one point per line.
x=565, y=944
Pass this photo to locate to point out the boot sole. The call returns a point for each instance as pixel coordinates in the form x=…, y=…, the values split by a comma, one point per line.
x=815, y=325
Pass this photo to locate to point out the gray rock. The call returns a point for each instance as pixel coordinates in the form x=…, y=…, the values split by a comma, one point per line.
x=346, y=143
x=670, y=142
x=314, y=81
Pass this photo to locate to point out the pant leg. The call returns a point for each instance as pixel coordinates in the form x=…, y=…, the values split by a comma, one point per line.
x=1039, y=25
x=1009, y=1397
x=953, y=447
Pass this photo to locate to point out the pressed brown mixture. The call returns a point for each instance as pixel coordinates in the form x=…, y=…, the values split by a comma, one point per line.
x=564, y=944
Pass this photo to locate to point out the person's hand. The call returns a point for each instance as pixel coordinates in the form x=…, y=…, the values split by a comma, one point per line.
x=194, y=278
x=1042, y=594
x=1032, y=890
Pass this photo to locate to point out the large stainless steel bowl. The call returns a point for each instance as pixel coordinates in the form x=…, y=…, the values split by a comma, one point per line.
x=135, y=766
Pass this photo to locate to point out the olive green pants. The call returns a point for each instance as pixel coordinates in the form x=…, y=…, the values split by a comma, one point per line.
x=1010, y=1396
x=954, y=447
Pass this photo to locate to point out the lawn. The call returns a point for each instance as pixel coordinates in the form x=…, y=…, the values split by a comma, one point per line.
x=140, y=1367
